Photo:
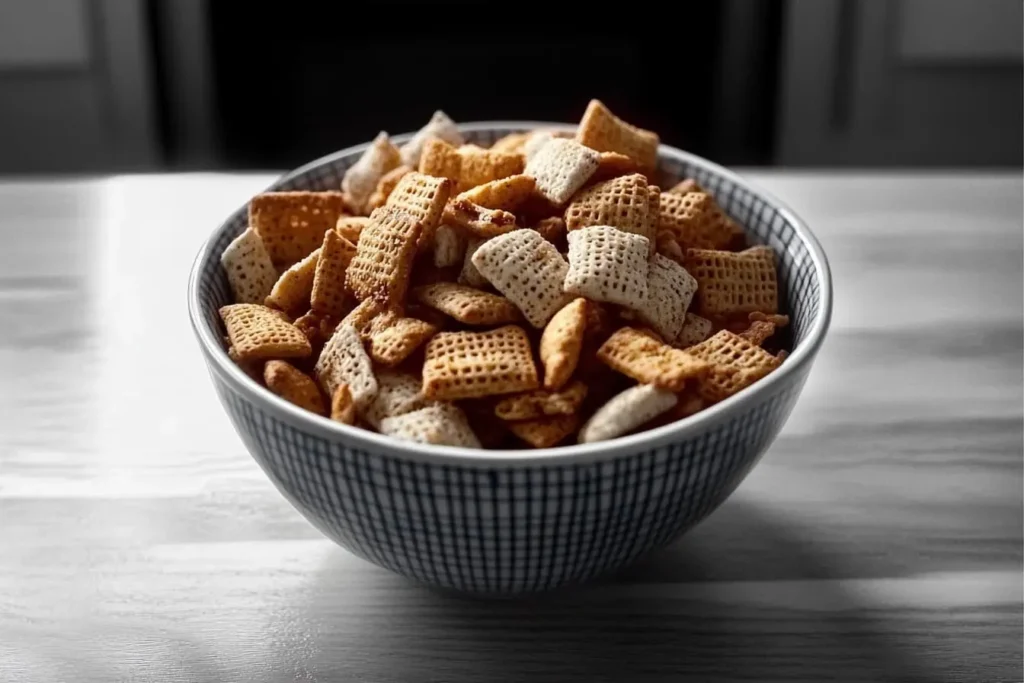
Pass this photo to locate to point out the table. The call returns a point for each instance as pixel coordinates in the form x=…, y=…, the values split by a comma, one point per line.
x=879, y=539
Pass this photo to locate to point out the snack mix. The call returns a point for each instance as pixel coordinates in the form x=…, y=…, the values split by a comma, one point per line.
x=541, y=292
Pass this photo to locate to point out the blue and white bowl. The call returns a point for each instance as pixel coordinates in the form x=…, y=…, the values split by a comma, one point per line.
x=517, y=522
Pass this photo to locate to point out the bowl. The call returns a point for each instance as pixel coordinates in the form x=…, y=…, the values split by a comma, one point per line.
x=504, y=523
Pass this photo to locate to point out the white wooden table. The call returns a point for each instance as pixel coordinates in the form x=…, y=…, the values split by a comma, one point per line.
x=880, y=538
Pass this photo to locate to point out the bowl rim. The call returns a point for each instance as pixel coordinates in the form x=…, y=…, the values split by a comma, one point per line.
x=576, y=454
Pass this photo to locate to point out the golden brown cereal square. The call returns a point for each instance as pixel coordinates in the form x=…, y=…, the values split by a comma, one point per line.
x=479, y=166
x=686, y=186
x=292, y=224
x=506, y=193
x=393, y=343
x=466, y=304
x=621, y=203
x=257, y=332
x=383, y=262
x=441, y=160
x=328, y=294
x=730, y=283
x=350, y=227
x=473, y=364
x=735, y=364
x=542, y=403
x=603, y=131
x=292, y=291
x=696, y=221
x=477, y=220
x=545, y=432
x=649, y=361
x=423, y=197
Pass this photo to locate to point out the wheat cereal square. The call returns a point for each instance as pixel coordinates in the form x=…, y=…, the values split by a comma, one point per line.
x=545, y=432
x=466, y=304
x=327, y=297
x=601, y=130
x=463, y=365
x=344, y=360
x=734, y=362
x=730, y=283
x=292, y=224
x=292, y=291
x=622, y=203
x=259, y=333
x=649, y=361
x=381, y=268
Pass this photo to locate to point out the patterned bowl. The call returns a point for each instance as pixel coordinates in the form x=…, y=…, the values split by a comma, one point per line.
x=503, y=523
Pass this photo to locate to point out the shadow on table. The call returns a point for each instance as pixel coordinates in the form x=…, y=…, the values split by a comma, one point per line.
x=690, y=612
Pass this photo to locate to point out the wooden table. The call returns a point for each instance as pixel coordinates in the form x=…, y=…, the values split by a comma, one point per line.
x=880, y=539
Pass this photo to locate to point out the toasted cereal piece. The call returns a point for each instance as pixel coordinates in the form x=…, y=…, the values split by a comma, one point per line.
x=293, y=289
x=477, y=220
x=449, y=245
x=603, y=131
x=735, y=364
x=606, y=264
x=653, y=214
x=441, y=160
x=552, y=229
x=249, y=269
x=621, y=203
x=686, y=186
x=392, y=344
x=386, y=185
x=328, y=294
x=560, y=168
x=669, y=292
x=362, y=316
x=626, y=411
x=667, y=246
x=758, y=332
x=695, y=330
x=343, y=406
x=513, y=143
x=423, y=197
x=542, y=403
x=360, y=180
x=528, y=270
x=473, y=364
x=731, y=283
x=545, y=432
x=439, y=126
x=345, y=360
x=470, y=275
x=649, y=361
x=696, y=221
x=383, y=262
x=443, y=425
x=293, y=385
x=612, y=165
x=350, y=227
x=507, y=193
x=399, y=393
x=561, y=342
x=292, y=224
x=479, y=166
x=257, y=332
x=467, y=305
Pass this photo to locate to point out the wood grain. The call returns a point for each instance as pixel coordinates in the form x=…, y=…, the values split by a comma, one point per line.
x=880, y=538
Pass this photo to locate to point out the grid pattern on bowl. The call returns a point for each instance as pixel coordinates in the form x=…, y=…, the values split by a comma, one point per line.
x=512, y=530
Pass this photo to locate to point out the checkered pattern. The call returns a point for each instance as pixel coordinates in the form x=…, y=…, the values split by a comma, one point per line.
x=514, y=529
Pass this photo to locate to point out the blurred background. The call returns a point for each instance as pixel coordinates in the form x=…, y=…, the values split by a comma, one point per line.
x=98, y=86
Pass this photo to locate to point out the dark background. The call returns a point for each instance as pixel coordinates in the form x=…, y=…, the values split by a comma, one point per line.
x=97, y=86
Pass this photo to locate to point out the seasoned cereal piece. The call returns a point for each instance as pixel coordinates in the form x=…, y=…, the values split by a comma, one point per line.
x=626, y=411
x=383, y=262
x=462, y=365
x=735, y=364
x=669, y=292
x=479, y=166
x=730, y=283
x=695, y=330
x=292, y=224
x=506, y=193
x=360, y=180
x=343, y=406
x=470, y=275
x=561, y=342
x=394, y=338
x=560, y=168
x=441, y=160
x=649, y=361
x=606, y=264
x=293, y=385
x=612, y=165
x=621, y=203
x=386, y=185
x=439, y=126
x=542, y=403
x=327, y=296
x=350, y=227
x=292, y=291
x=545, y=432
x=423, y=197
x=601, y=130
x=362, y=316
x=696, y=221
x=478, y=220
x=399, y=393
x=344, y=360
x=467, y=305
x=257, y=332
x=528, y=270
x=444, y=425
x=250, y=271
